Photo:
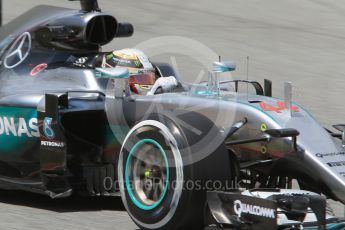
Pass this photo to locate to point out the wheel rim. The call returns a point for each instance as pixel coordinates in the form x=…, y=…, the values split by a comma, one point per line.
x=147, y=174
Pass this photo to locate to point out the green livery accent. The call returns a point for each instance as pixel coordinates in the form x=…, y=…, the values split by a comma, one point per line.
x=110, y=56
x=137, y=63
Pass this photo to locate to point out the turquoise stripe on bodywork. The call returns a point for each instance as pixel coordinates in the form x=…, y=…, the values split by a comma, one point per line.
x=260, y=110
x=11, y=144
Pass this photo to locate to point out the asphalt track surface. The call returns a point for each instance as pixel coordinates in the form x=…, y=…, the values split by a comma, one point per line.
x=302, y=41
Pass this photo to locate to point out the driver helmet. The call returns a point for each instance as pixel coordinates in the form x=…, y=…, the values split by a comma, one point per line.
x=141, y=71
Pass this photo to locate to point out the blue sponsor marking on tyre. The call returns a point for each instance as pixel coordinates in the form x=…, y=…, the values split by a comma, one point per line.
x=127, y=180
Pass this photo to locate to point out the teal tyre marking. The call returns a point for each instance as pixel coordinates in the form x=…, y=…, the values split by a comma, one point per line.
x=128, y=185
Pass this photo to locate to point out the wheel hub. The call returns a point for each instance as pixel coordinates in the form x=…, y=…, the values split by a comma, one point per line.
x=148, y=173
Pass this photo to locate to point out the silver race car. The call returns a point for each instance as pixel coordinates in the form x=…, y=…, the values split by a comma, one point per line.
x=74, y=119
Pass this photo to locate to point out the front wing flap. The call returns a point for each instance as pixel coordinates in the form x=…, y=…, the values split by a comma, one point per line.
x=234, y=210
x=242, y=212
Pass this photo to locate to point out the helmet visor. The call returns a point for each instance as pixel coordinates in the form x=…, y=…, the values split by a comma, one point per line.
x=141, y=83
x=143, y=78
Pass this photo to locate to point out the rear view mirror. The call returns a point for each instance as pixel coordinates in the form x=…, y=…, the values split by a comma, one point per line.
x=112, y=73
x=222, y=67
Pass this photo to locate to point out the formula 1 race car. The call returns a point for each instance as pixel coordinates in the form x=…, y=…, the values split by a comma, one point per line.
x=181, y=156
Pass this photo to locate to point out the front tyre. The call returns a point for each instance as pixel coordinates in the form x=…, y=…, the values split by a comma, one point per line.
x=151, y=176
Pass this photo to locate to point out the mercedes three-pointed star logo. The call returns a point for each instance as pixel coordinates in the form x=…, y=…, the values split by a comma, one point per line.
x=18, y=51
